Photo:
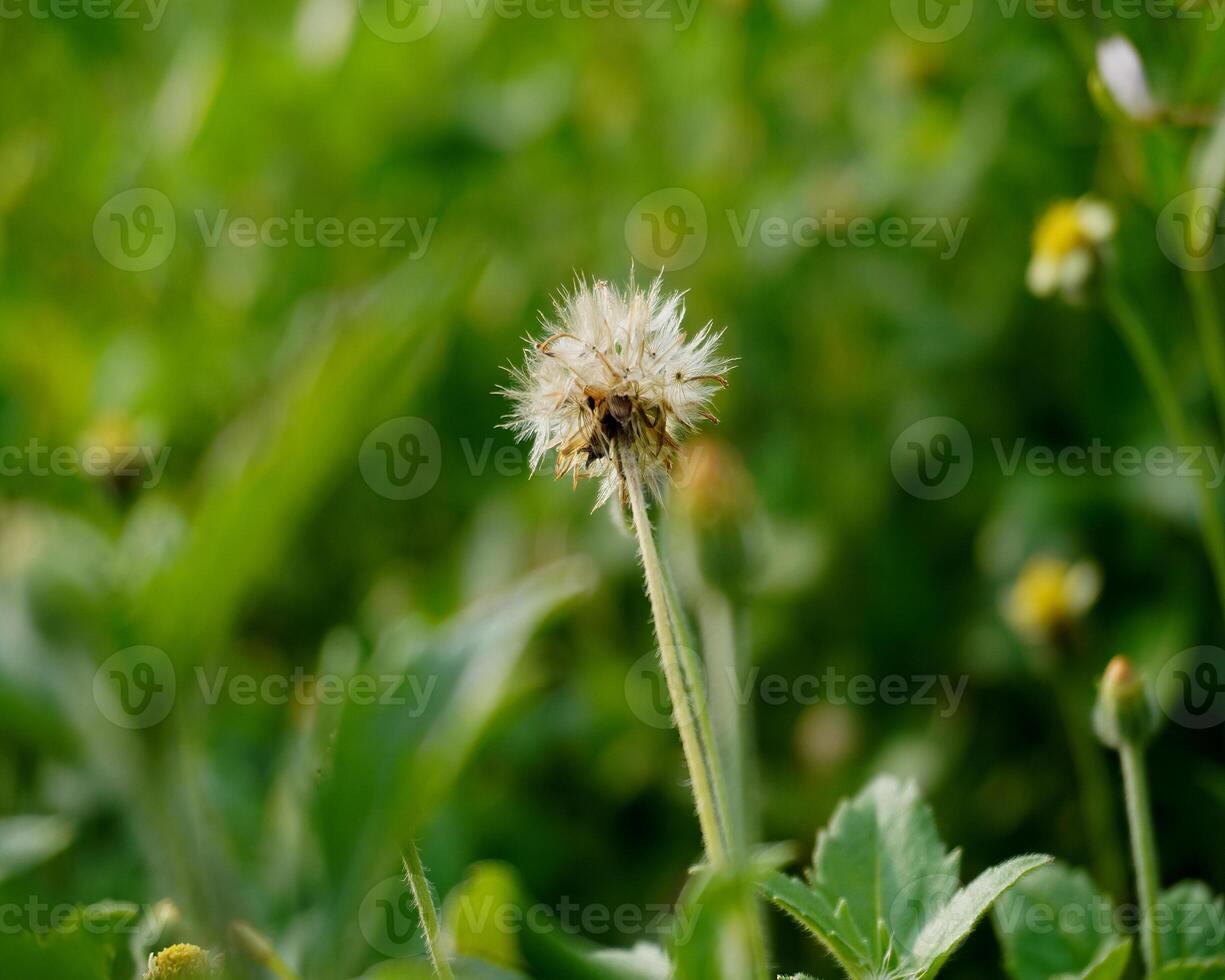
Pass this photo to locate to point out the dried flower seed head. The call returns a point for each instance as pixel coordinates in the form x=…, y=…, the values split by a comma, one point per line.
x=615, y=380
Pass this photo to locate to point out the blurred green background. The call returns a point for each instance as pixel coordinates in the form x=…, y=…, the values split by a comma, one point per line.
x=526, y=145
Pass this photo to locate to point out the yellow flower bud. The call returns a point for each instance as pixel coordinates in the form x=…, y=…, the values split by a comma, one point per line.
x=182, y=961
x=1050, y=595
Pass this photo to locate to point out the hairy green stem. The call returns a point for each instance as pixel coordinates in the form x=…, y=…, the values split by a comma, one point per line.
x=1143, y=848
x=685, y=686
x=725, y=733
x=1139, y=342
x=419, y=885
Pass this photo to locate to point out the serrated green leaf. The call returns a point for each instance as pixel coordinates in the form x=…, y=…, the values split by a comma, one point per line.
x=883, y=895
x=811, y=911
x=949, y=927
x=1192, y=923
x=890, y=833
x=1028, y=918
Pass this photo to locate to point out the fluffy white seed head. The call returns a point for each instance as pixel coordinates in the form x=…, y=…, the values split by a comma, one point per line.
x=613, y=381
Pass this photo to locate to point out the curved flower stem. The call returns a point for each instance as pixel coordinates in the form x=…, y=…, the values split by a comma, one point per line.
x=1140, y=343
x=419, y=885
x=685, y=687
x=1144, y=849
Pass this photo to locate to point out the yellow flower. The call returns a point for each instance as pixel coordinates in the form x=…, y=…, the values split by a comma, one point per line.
x=1065, y=245
x=1049, y=595
x=181, y=961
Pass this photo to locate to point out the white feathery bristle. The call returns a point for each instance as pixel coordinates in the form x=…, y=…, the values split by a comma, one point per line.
x=614, y=373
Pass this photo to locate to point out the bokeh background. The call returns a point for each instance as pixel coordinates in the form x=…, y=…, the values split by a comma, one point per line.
x=526, y=149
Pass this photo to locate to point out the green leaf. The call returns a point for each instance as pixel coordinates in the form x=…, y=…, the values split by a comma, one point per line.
x=1194, y=923
x=949, y=927
x=275, y=463
x=883, y=894
x=26, y=841
x=1028, y=919
x=1192, y=970
x=468, y=667
x=1109, y=964
x=811, y=911
x=490, y=917
x=82, y=946
x=708, y=934
x=888, y=831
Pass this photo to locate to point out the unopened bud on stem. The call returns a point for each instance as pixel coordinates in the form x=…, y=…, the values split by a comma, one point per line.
x=1125, y=711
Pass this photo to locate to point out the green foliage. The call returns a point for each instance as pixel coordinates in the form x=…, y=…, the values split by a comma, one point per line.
x=1055, y=923
x=1195, y=922
x=883, y=893
x=84, y=944
x=262, y=550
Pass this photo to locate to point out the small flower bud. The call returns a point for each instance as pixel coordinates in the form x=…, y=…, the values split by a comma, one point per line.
x=1125, y=711
x=1120, y=71
x=182, y=961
